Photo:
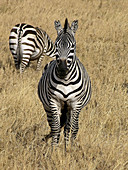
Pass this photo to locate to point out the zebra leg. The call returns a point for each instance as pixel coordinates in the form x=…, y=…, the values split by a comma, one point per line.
x=17, y=63
x=22, y=67
x=66, y=135
x=74, y=126
x=24, y=62
x=39, y=62
x=54, y=120
x=67, y=131
x=55, y=130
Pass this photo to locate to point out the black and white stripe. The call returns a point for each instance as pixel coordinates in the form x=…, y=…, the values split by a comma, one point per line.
x=65, y=87
x=29, y=43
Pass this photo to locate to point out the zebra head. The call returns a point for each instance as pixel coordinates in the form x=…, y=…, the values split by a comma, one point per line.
x=65, y=47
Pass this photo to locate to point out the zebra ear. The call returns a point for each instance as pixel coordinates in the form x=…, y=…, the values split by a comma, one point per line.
x=58, y=26
x=74, y=26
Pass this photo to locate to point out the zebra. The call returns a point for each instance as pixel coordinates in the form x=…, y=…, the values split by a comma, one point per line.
x=65, y=87
x=29, y=43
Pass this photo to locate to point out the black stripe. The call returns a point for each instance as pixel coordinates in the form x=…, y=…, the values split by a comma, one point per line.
x=28, y=26
x=27, y=44
x=12, y=49
x=12, y=37
x=29, y=32
x=12, y=43
x=17, y=25
x=14, y=30
x=29, y=50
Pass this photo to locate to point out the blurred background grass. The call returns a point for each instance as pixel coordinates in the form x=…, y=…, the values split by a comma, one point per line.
x=102, y=46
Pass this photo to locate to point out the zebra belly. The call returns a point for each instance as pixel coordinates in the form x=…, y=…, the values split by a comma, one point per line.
x=35, y=55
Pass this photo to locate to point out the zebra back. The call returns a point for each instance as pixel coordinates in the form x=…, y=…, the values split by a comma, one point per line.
x=49, y=48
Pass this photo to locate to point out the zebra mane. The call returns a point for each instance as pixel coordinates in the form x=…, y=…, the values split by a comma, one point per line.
x=66, y=25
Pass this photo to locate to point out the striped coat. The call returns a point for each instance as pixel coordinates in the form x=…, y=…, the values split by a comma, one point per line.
x=29, y=43
x=65, y=87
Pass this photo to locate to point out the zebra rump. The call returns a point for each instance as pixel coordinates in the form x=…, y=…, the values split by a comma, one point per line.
x=29, y=43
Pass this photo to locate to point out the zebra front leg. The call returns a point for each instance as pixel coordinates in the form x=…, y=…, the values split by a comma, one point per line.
x=55, y=130
x=67, y=131
x=54, y=121
x=66, y=136
x=74, y=126
x=39, y=63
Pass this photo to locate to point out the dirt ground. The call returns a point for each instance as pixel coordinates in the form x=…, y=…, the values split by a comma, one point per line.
x=102, y=46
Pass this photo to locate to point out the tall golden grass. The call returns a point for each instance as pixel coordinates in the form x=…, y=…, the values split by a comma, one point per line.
x=102, y=46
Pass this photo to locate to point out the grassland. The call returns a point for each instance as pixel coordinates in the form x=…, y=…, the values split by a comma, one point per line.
x=102, y=46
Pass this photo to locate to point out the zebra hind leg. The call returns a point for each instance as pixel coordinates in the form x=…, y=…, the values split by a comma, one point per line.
x=17, y=64
x=39, y=63
x=22, y=67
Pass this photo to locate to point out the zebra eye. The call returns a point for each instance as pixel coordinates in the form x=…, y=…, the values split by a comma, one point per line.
x=69, y=61
x=58, y=60
x=57, y=56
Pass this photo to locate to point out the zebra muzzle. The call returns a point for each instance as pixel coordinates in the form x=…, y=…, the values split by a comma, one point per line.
x=62, y=68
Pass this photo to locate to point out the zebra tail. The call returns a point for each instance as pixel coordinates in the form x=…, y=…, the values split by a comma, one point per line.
x=19, y=51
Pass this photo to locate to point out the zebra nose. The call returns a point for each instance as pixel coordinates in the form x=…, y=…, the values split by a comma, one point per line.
x=62, y=64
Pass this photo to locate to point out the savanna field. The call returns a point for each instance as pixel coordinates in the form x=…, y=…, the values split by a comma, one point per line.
x=102, y=46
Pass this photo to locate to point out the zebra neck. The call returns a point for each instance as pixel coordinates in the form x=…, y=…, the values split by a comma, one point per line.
x=73, y=71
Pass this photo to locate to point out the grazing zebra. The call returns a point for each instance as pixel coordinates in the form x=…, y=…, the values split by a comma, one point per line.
x=29, y=43
x=65, y=87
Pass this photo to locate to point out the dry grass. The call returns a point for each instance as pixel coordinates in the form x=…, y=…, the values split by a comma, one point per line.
x=102, y=46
